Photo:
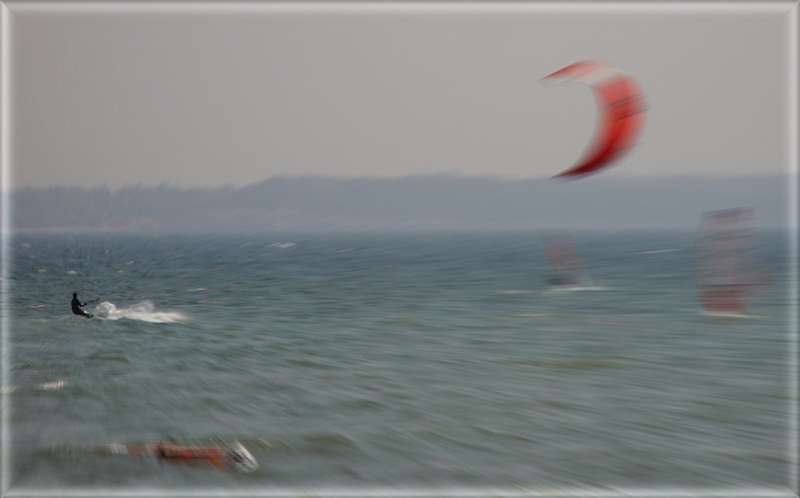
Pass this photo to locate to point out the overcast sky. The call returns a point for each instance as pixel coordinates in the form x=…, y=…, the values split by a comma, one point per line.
x=200, y=96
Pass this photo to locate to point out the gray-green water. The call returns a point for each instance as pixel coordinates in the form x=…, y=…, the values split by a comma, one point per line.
x=392, y=361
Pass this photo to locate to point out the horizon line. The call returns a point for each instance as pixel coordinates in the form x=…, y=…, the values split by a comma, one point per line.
x=11, y=189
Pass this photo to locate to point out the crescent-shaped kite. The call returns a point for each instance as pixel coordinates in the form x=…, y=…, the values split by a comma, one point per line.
x=622, y=111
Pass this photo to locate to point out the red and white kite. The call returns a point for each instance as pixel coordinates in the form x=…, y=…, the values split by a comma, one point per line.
x=622, y=112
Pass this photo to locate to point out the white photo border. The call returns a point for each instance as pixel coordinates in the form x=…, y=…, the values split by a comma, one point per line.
x=790, y=10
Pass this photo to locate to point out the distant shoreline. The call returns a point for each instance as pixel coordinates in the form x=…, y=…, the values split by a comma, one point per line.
x=371, y=231
x=420, y=204
x=72, y=230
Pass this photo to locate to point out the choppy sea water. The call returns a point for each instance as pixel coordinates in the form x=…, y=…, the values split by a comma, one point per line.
x=392, y=361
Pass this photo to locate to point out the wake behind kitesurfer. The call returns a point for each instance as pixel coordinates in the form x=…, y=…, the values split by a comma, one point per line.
x=77, y=305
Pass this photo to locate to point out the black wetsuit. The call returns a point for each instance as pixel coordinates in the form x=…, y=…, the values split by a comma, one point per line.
x=76, y=308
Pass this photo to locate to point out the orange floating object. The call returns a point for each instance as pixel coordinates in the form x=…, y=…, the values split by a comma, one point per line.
x=235, y=456
x=174, y=452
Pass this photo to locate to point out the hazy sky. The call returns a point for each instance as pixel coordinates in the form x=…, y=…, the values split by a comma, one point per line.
x=206, y=96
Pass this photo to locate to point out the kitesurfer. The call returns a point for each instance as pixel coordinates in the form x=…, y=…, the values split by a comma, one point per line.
x=77, y=305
